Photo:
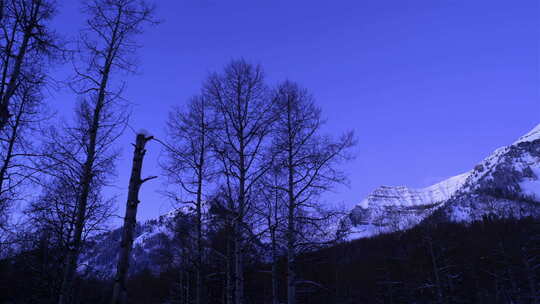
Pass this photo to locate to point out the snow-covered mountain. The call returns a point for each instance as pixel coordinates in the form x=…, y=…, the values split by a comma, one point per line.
x=506, y=183
x=158, y=243
x=152, y=247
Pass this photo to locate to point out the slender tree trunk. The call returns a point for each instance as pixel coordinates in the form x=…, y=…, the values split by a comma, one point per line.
x=435, y=271
x=113, y=31
x=230, y=267
x=291, y=225
x=86, y=180
x=239, y=266
x=85, y=183
x=200, y=174
x=120, y=289
x=11, y=145
x=238, y=246
x=275, y=296
x=291, y=260
x=198, y=267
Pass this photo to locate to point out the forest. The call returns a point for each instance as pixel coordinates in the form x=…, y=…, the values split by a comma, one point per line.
x=246, y=161
x=492, y=261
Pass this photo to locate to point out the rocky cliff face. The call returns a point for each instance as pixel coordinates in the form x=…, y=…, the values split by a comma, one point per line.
x=507, y=183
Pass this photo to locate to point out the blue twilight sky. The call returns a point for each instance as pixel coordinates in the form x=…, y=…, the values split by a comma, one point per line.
x=430, y=87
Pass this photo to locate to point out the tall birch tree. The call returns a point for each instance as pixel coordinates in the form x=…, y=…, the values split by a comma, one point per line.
x=244, y=113
x=310, y=163
x=107, y=45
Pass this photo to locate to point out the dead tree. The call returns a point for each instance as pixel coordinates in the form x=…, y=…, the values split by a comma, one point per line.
x=16, y=146
x=106, y=47
x=244, y=113
x=130, y=219
x=309, y=162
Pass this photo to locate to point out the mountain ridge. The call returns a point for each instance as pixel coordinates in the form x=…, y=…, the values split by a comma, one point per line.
x=504, y=184
x=516, y=166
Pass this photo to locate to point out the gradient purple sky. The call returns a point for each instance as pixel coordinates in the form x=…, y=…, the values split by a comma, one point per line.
x=429, y=87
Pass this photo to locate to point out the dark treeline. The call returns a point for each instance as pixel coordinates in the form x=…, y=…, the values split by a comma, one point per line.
x=492, y=261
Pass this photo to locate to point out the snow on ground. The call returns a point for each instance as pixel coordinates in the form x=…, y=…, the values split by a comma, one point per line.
x=144, y=132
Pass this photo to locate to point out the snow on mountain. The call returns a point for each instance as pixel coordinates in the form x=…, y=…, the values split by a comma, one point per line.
x=157, y=243
x=406, y=197
x=152, y=240
x=533, y=135
x=506, y=183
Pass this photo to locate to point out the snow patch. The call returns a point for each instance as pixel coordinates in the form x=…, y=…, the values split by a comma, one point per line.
x=144, y=132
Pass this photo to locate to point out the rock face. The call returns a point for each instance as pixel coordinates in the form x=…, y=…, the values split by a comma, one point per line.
x=507, y=183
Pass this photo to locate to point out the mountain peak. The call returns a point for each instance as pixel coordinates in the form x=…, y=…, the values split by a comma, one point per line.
x=506, y=183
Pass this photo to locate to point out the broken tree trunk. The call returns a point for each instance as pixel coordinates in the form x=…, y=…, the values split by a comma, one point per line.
x=130, y=219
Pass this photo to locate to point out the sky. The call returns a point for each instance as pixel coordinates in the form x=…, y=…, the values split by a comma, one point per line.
x=430, y=88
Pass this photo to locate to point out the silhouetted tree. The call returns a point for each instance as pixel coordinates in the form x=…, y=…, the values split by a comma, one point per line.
x=106, y=47
x=190, y=165
x=26, y=42
x=130, y=219
x=245, y=115
x=309, y=161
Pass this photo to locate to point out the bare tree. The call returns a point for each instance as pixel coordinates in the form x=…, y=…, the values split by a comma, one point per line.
x=17, y=146
x=239, y=97
x=54, y=212
x=25, y=40
x=106, y=47
x=189, y=165
x=130, y=219
x=309, y=162
x=27, y=47
x=272, y=207
x=47, y=231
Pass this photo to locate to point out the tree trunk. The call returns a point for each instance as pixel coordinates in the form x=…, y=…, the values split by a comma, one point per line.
x=239, y=265
x=86, y=178
x=120, y=290
x=230, y=267
x=85, y=183
x=198, y=270
x=291, y=227
x=11, y=145
x=275, y=296
x=291, y=271
x=435, y=271
x=238, y=238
